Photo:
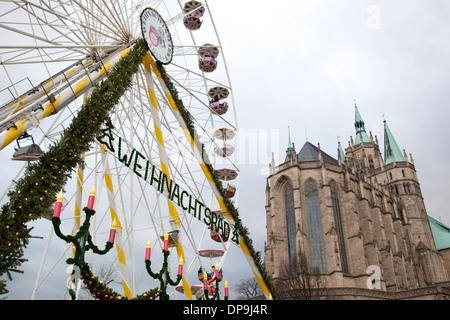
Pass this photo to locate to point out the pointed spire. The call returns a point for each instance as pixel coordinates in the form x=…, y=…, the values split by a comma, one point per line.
x=289, y=137
x=361, y=135
x=411, y=160
x=341, y=153
x=391, y=150
x=289, y=150
x=272, y=165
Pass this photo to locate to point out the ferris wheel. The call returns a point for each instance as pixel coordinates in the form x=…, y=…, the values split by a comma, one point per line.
x=163, y=165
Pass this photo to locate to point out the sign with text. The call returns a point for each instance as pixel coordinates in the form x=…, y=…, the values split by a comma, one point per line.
x=144, y=169
x=157, y=35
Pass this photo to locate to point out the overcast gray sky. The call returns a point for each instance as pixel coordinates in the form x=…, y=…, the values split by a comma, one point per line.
x=302, y=63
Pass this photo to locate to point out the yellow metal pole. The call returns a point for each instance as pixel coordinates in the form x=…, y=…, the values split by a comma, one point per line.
x=164, y=164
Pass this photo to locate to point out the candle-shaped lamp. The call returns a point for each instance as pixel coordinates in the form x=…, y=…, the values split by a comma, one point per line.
x=112, y=232
x=180, y=267
x=205, y=281
x=226, y=288
x=58, y=205
x=91, y=198
x=216, y=270
x=166, y=242
x=148, y=250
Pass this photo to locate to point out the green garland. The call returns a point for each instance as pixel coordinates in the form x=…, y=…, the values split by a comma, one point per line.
x=34, y=194
x=243, y=231
x=99, y=290
x=163, y=276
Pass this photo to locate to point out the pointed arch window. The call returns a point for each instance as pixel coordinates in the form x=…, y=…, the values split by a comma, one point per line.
x=371, y=165
x=339, y=227
x=316, y=244
x=290, y=225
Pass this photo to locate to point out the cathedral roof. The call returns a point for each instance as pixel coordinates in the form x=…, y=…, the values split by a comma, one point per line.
x=310, y=152
x=441, y=234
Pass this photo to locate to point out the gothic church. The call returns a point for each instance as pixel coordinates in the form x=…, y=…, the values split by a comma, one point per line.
x=347, y=214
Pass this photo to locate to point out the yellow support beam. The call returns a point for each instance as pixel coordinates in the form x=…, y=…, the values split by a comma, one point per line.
x=164, y=164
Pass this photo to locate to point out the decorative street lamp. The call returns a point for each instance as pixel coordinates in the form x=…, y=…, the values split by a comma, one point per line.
x=163, y=275
x=82, y=240
x=211, y=291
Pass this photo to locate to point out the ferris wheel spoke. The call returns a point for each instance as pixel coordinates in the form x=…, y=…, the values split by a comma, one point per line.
x=76, y=24
x=40, y=21
x=64, y=53
x=115, y=14
x=204, y=105
x=107, y=21
x=26, y=34
x=27, y=61
x=201, y=76
x=60, y=46
x=30, y=10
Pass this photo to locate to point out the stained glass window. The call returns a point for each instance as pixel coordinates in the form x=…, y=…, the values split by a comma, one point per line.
x=291, y=225
x=316, y=245
x=371, y=165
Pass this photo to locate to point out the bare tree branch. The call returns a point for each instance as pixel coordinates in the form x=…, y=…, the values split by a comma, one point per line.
x=299, y=281
x=248, y=288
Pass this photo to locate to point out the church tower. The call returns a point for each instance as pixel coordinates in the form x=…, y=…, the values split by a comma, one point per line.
x=363, y=154
x=400, y=177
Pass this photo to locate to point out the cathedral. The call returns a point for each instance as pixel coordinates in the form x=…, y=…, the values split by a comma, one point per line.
x=349, y=217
